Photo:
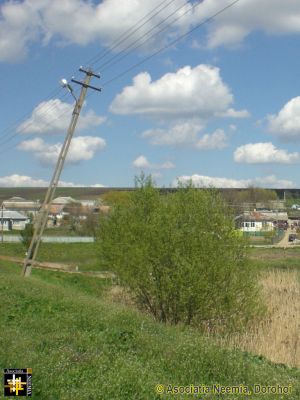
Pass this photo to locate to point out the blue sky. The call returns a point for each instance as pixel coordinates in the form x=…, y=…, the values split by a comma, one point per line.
x=220, y=107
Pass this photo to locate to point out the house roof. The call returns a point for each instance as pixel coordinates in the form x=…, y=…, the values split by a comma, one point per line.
x=264, y=216
x=64, y=200
x=12, y=215
x=16, y=198
x=20, y=203
x=56, y=208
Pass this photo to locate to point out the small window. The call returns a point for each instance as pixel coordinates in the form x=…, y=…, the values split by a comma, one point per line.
x=252, y=224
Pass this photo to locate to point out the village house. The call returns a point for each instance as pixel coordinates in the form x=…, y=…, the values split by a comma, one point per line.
x=256, y=222
x=59, y=205
x=19, y=204
x=12, y=220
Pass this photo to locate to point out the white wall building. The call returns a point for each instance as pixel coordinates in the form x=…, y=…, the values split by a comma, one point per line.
x=260, y=221
x=12, y=220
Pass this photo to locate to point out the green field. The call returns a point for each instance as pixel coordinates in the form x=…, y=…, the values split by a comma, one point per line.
x=83, y=345
x=279, y=258
x=82, y=255
x=39, y=193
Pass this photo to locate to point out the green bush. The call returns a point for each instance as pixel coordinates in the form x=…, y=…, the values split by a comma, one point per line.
x=26, y=235
x=180, y=256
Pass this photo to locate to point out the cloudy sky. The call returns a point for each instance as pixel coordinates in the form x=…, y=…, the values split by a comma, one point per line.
x=203, y=90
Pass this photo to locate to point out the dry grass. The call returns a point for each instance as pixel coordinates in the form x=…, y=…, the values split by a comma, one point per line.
x=277, y=336
x=117, y=294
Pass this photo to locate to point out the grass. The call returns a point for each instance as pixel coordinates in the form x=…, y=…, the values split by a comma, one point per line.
x=276, y=258
x=83, y=255
x=83, y=346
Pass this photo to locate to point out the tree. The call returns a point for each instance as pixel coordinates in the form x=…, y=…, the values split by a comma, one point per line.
x=26, y=235
x=89, y=225
x=179, y=255
x=116, y=197
x=253, y=195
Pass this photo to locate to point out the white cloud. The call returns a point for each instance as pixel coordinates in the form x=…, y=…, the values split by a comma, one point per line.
x=231, y=113
x=141, y=162
x=270, y=181
x=81, y=148
x=25, y=22
x=19, y=25
x=197, y=92
x=216, y=140
x=264, y=153
x=232, y=26
x=186, y=134
x=183, y=133
x=16, y=180
x=286, y=124
x=54, y=116
x=78, y=22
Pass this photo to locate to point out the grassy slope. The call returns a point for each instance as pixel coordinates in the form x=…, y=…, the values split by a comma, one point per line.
x=81, y=346
x=39, y=193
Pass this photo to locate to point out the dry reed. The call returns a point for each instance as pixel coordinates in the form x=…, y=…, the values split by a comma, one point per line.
x=277, y=336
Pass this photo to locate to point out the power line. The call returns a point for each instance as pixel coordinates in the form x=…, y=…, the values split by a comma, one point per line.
x=130, y=32
x=170, y=44
x=10, y=128
x=124, y=36
x=110, y=62
x=46, y=111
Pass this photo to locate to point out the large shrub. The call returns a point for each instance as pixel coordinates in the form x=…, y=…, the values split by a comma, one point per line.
x=26, y=235
x=179, y=255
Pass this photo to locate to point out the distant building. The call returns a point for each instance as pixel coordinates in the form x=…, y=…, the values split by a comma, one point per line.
x=58, y=207
x=64, y=201
x=261, y=221
x=22, y=205
x=277, y=205
x=295, y=207
x=12, y=220
x=271, y=205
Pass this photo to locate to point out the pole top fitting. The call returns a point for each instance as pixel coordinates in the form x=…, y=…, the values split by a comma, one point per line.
x=89, y=72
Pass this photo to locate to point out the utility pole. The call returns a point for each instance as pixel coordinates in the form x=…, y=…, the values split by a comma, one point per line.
x=2, y=238
x=42, y=217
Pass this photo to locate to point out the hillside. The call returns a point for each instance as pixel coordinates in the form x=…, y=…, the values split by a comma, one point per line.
x=82, y=345
x=39, y=193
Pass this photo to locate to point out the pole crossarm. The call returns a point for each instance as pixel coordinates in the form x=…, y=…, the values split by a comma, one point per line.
x=89, y=72
x=85, y=85
x=42, y=216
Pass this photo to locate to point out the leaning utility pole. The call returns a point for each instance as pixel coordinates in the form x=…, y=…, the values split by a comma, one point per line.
x=2, y=239
x=42, y=216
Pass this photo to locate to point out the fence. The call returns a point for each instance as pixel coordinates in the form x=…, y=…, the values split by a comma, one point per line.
x=51, y=239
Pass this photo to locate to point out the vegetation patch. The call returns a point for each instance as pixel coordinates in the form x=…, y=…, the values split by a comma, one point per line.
x=180, y=256
x=81, y=346
x=82, y=255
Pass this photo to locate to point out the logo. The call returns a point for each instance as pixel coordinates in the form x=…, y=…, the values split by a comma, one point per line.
x=17, y=382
